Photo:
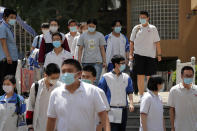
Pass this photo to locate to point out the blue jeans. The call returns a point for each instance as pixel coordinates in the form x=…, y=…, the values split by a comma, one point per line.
x=98, y=67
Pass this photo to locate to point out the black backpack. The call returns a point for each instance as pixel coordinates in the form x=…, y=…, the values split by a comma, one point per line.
x=36, y=89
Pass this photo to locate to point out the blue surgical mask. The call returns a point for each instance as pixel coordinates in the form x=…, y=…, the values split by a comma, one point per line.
x=122, y=68
x=12, y=21
x=91, y=29
x=188, y=80
x=56, y=44
x=142, y=21
x=68, y=78
x=117, y=29
x=86, y=81
x=73, y=29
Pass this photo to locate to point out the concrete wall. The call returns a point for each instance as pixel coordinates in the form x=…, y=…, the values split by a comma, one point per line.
x=186, y=46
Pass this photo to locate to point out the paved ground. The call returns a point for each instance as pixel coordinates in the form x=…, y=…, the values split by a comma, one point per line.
x=164, y=96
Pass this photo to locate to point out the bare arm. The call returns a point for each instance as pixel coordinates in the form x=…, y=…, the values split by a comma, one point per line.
x=104, y=120
x=102, y=48
x=51, y=124
x=144, y=121
x=131, y=107
x=5, y=50
x=172, y=117
x=158, y=47
x=80, y=53
x=131, y=50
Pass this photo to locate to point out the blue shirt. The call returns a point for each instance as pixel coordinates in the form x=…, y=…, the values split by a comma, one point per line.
x=7, y=33
x=36, y=41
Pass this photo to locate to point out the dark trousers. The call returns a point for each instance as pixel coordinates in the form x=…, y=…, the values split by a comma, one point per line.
x=121, y=126
x=6, y=69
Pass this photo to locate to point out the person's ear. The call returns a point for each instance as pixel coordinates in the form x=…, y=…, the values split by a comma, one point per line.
x=116, y=64
x=182, y=77
x=45, y=75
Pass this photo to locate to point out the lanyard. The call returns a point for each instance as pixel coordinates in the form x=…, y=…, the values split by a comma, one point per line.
x=9, y=28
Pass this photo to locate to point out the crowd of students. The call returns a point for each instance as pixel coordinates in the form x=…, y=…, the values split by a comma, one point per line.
x=71, y=94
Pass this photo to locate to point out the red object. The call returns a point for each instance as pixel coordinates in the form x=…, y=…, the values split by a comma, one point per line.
x=27, y=78
x=42, y=54
x=29, y=115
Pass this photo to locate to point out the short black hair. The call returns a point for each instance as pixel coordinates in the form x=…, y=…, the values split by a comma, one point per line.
x=92, y=21
x=11, y=78
x=186, y=68
x=73, y=62
x=45, y=25
x=116, y=59
x=8, y=12
x=154, y=81
x=57, y=34
x=52, y=68
x=51, y=20
x=144, y=13
x=72, y=21
x=115, y=21
x=91, y=69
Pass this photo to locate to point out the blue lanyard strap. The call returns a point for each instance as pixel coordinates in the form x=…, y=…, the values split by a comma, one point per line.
x=10, y=28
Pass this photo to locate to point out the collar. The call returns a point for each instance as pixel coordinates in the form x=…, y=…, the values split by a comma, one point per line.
x=152, y=93
x=8, y=25
x=121, y=35
x=77, y=34
x=80, y=89
x=13, y=98
x=182, y=87
x=53, y=52
x=113, y=72
x=144, y=27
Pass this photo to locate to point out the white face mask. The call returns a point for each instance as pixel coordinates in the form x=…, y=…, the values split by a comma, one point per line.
x=7, y=89
x=84, y=31
x=45, y=31
x=53, y=29
x=53, y=82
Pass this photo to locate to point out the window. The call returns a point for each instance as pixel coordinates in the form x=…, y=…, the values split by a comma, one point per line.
x=163, y=14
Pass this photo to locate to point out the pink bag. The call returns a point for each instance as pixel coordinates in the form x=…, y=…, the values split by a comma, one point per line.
x=27, y=79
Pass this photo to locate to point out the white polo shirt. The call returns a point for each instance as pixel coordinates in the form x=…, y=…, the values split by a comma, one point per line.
x=75, y=112
x=104, y=98
x=151, y=105
x=144, y=39
x=185, y=103
x=52, y=57
x=70, y=40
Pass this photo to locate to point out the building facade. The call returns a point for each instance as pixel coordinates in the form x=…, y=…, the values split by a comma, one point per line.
x=176, y=21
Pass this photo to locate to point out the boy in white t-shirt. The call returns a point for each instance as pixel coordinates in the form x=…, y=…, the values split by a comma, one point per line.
x=89, y=76
x=151, y=107
x=58, y=54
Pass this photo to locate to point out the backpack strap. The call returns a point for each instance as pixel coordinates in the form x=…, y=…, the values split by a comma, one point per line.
x=18, y=105
x=38, y=41
x=36, y=88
